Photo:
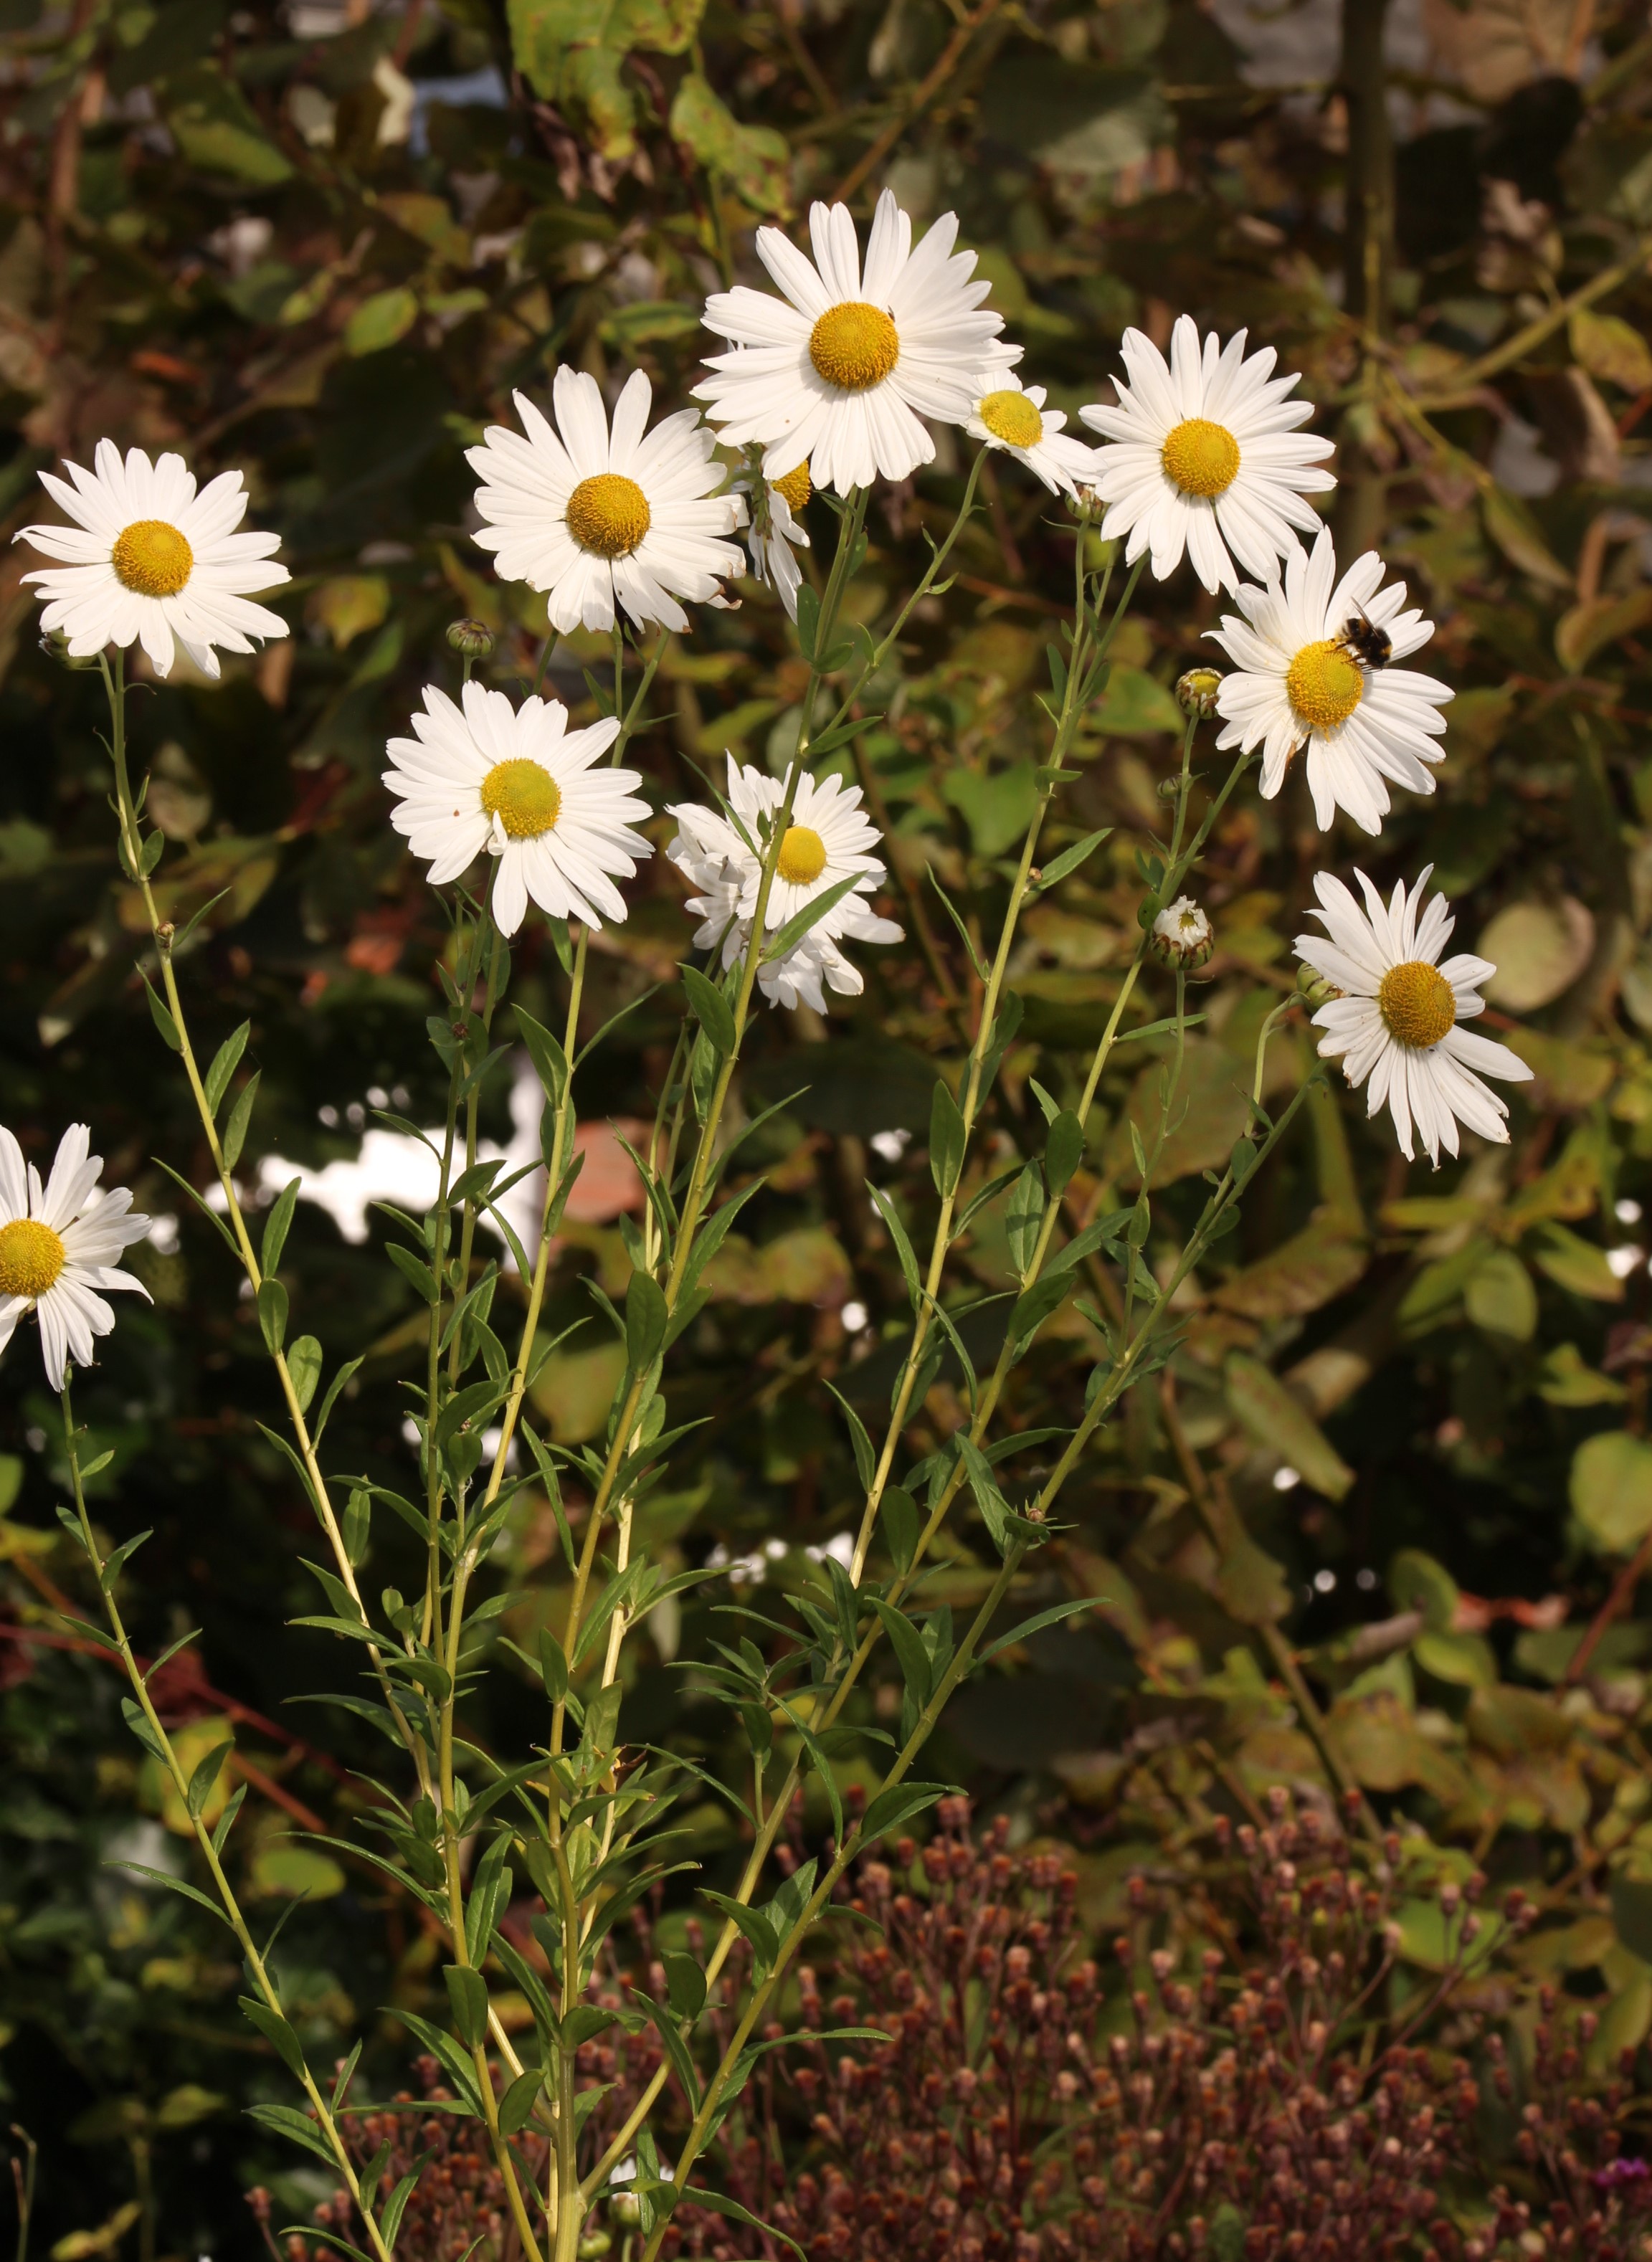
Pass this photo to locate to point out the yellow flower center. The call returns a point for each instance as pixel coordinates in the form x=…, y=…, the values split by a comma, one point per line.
x=1203, y=457
x=1417, y=1003
x=1323, y=685
x=152, y=558
x=802, y=855
x=32, y=1255
x=795, y=487
x=523, y=796
x=1012, y=418
x=854, y=345
x=608, y=515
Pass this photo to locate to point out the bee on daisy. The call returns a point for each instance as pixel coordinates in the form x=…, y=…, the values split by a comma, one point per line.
x=516, y=782
x=842, y=370
x=1013, y=417
x=150, y=561
x=1204, y=457
x=827, y=840
x=1397, y=1026
x=59, y=1247
x=1302, y=677
x=599, y=517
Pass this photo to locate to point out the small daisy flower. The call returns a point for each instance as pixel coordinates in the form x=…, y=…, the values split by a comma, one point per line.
x=1206, y=458
x=596, y=517
x=775, y=528
x=839, y=372
x=1299, y=681
x=1013, y=416
x=149, y=561
x=1398, y=1020
x=825, y=842
x=58, y=1248
x=518, y=783
x=1182, y=934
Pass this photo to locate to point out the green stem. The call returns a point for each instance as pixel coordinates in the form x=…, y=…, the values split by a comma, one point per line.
x=162, y=930
x=763, y=1993
x=700, y=1173
x=162, y=1743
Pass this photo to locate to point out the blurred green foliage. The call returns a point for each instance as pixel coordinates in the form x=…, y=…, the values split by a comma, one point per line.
x=325, y=243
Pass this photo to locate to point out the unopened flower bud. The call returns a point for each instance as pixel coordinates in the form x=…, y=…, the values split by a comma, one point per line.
x=1182, y=934
x=54, y=645
x=1196, y=691
x=1314, y=987
x=470, y=639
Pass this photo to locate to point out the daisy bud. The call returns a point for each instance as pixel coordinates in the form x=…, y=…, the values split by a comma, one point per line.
x=1182, y=934
x=470, y=639
x=1196, y=692
x=54, y=645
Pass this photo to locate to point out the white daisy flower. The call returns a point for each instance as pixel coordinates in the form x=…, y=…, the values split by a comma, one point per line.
x=1398, y=1021
x=594, y=517
x=1182, y=934
x=1206, y=458
x=58, y=1247
x=516, y=781
x=774, y=528
x=839, y=372
x=149, y=561
x=1299, y=680
x=1013, y=416
x=804, y=972
x=826, y=841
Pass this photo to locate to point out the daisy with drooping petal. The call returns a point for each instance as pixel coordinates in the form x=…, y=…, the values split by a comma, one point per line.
x=1297, y=681
x=774, y=528
x=518, y=783
x=149, y=561
x=839, y=372
x=58, y=1244
x=1010, y=416
x=825, y=842
x=1206, y=458
x=805, y=971
x=596, y=517
x=1398, y=1022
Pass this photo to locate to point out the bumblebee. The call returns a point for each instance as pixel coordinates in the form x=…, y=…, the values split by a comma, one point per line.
x=1371, y=645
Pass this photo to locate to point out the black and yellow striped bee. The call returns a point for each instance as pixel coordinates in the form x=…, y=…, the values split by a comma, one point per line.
x=1371, y=645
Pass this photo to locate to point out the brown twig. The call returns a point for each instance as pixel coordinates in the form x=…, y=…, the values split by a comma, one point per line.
x=870, y=159
x=1623, y=1589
